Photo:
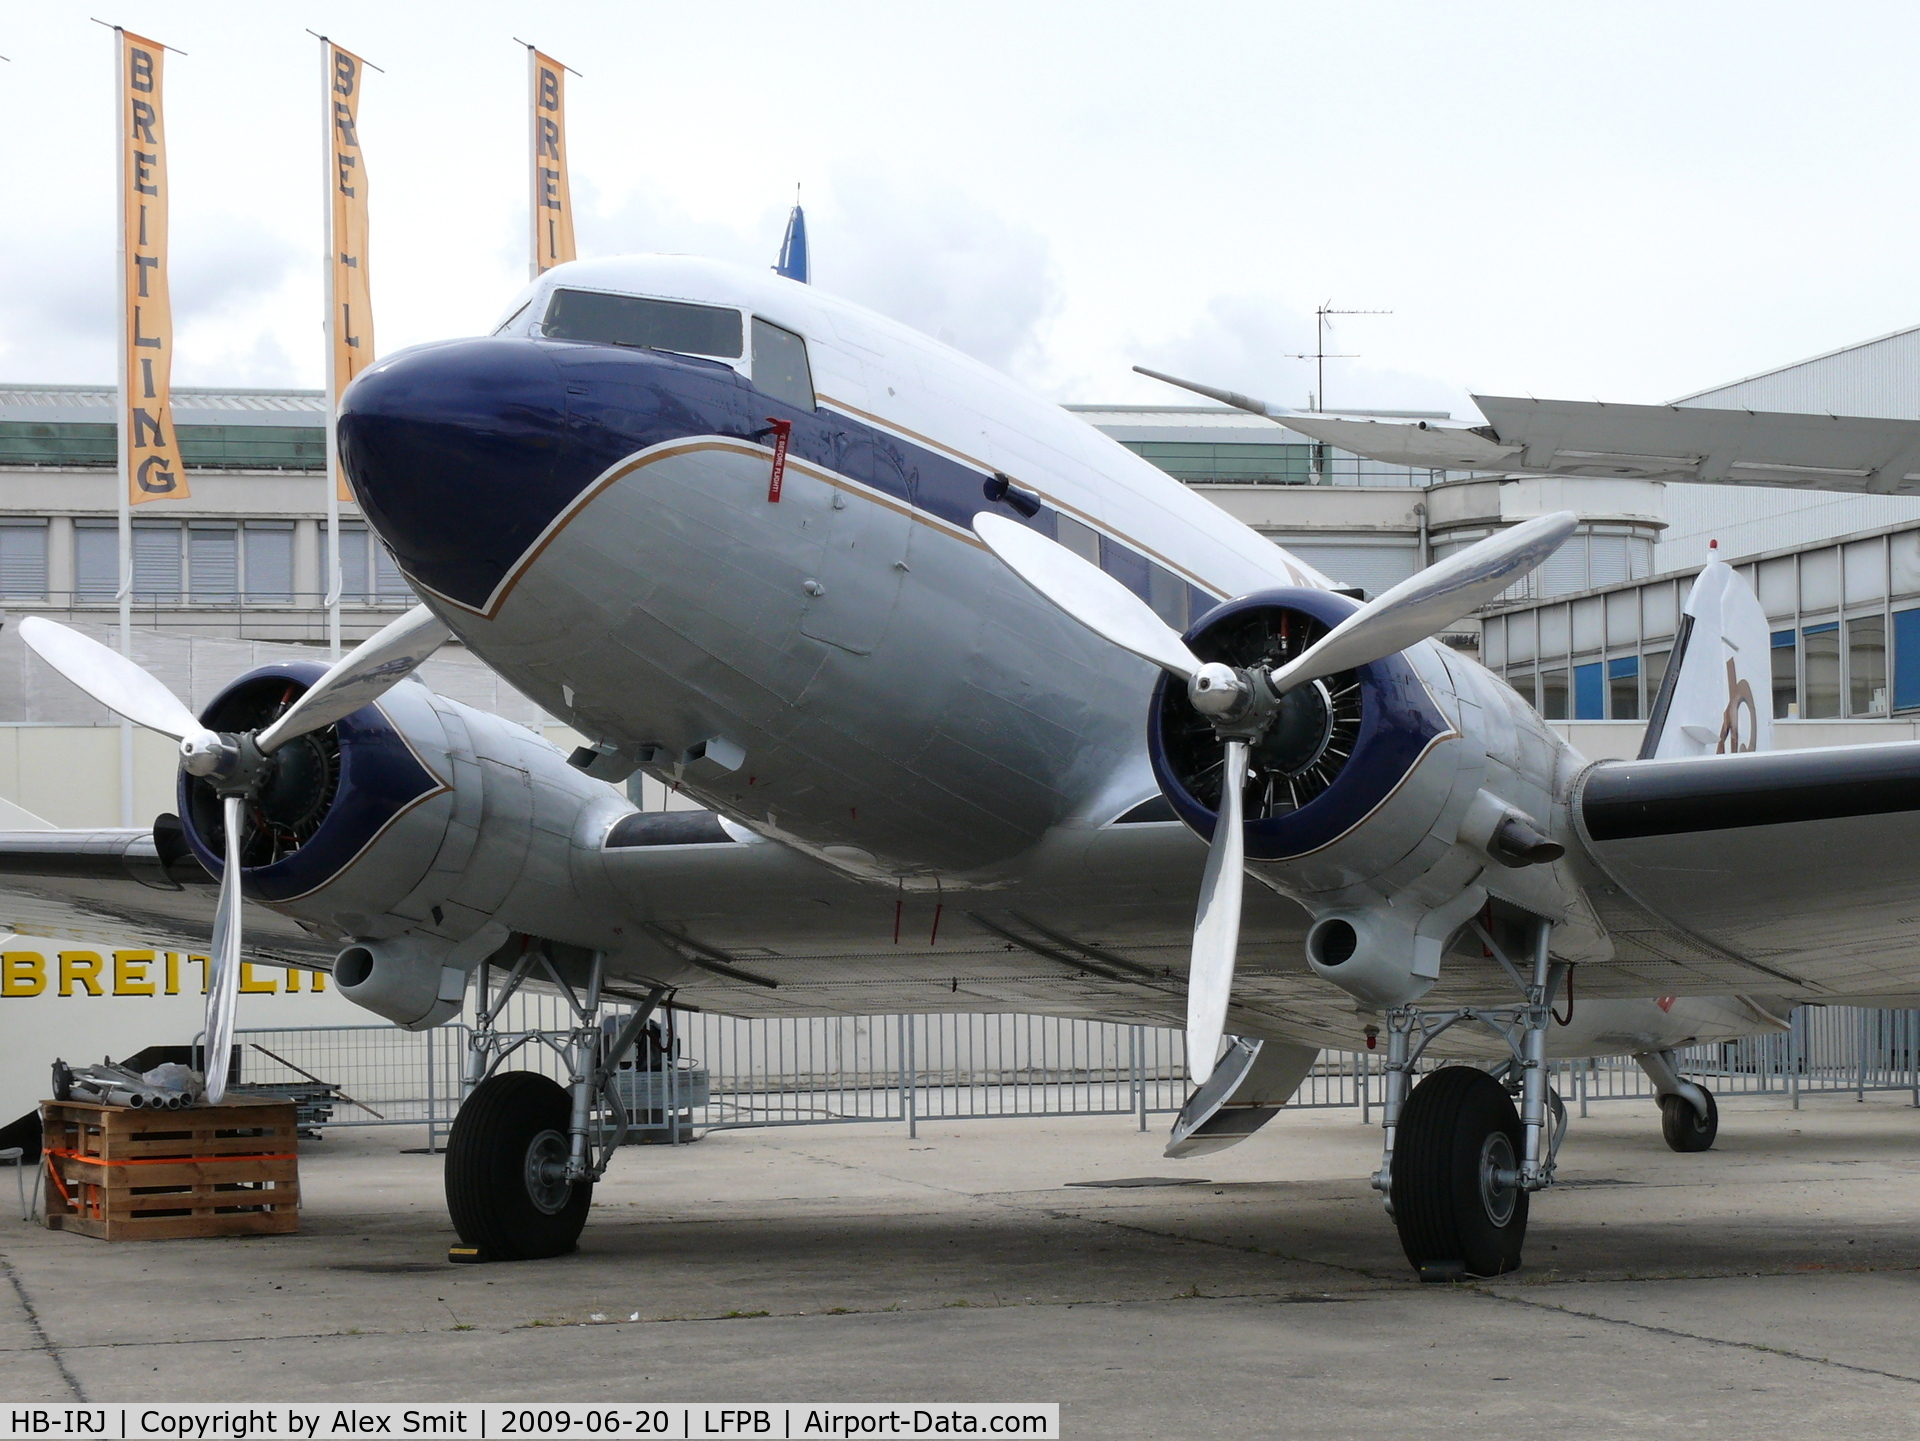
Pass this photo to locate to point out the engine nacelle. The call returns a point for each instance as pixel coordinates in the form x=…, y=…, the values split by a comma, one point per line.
x=418, y=833
x=1393, y=800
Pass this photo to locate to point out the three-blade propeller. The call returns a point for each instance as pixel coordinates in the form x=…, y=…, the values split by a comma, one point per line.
x=238, y=766
x=1240, y=704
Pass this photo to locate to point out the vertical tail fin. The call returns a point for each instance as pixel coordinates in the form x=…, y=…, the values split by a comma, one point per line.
x=794, y=262
x=1717, y=694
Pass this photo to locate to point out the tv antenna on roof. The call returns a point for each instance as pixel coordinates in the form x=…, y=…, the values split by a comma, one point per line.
x=1319, y=356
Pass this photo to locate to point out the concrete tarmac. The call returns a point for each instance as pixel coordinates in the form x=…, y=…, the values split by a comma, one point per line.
x=1770, y=1287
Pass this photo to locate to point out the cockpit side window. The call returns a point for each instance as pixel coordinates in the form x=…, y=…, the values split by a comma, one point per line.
x=780, y=365
x=501, y=327
x=602, y=319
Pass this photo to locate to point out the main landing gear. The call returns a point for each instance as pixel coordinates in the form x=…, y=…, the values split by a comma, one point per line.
x=525, y=1151
x=1461, y=1162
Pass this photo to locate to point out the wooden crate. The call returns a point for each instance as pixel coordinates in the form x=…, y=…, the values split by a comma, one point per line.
x=137, y=1175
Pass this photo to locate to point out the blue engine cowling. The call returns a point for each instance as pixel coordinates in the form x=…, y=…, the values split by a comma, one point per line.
x=1337, y=750
x=330, y=796
x=417, y=833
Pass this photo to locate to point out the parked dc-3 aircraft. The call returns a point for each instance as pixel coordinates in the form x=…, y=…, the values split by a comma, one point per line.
x=985, y=710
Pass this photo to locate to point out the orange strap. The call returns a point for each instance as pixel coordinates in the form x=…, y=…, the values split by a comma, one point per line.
x=168, y=1160
x=53, y=1174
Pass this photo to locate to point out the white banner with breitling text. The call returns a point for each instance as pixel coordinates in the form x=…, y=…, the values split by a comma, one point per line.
x=483, y=1421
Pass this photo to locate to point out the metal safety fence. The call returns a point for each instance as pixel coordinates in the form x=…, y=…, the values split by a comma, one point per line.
x=697, y=1072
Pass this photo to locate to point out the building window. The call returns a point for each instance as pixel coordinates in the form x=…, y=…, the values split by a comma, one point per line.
x=213, y=563
x=1867, y=666
x=1589, y=693
x=23, y=561
x=96, y=562
x=1623, y=688
x=1653, y=666
x=269, y=564
x=1232, y=462
x=367, y=571
x=1553, y=694
x=353, y=562
x=1786, y=677
x=1820, y=698
x=156, y=563
x=388, y=583
x=1906, y=659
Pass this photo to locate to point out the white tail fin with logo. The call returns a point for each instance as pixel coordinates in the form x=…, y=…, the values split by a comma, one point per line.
x=1717, y=695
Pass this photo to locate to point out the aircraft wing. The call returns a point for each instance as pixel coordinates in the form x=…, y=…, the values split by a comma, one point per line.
x=1789, y=872
x=1796, y=865
x=1648, y=442
x=116, y=887
x=1636, y=442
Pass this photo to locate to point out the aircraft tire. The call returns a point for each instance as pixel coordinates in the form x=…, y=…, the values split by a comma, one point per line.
x=1457, y=1126
x=512, y=1121
x=1682, y=1126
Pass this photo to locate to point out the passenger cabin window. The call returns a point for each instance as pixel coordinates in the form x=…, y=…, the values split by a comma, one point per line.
x=1082, y=540
x=780, y=365
x=602, y=319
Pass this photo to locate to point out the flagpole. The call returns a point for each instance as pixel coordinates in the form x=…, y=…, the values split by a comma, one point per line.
x=124, y=455
x=328, y=179
x=533, y=163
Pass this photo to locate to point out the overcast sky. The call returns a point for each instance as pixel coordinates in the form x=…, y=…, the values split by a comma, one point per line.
x=1622, y=201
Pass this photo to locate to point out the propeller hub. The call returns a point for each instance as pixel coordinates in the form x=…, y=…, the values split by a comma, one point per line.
x=208, y=753
x=1219, y=691
x=238, y=768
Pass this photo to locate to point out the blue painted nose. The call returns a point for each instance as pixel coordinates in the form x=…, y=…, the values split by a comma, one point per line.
x=459, y=455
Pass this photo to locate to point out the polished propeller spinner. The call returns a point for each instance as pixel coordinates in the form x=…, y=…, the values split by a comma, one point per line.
x=239, y=766
x=1243, y=702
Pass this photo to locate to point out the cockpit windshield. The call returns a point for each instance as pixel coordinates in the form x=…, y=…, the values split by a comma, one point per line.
x=602, y=319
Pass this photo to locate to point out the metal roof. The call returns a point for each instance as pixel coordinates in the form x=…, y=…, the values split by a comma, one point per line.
x=84, y=404
x=1878, y=377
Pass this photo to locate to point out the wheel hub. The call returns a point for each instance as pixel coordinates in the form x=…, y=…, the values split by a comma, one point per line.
x=546, y=1172
x=1497, y=1193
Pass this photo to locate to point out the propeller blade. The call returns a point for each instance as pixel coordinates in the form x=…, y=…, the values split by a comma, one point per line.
x=1426, y=602
x=1216, y=930
x=110, y=678
x=364, y=674
x=1087, y=593
x=223, y=977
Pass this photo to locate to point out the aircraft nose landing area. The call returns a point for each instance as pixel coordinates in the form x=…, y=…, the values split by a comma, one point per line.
x=1767, y=1284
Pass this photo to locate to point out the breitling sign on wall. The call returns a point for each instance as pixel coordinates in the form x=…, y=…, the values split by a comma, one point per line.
x=149, y=445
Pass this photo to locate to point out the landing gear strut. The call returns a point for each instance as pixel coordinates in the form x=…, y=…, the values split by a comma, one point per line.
x=525, y=1151
x=1460, y=1163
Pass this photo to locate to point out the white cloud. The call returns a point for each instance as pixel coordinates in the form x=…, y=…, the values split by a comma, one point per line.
x=933, y=258
x=1254, y=344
